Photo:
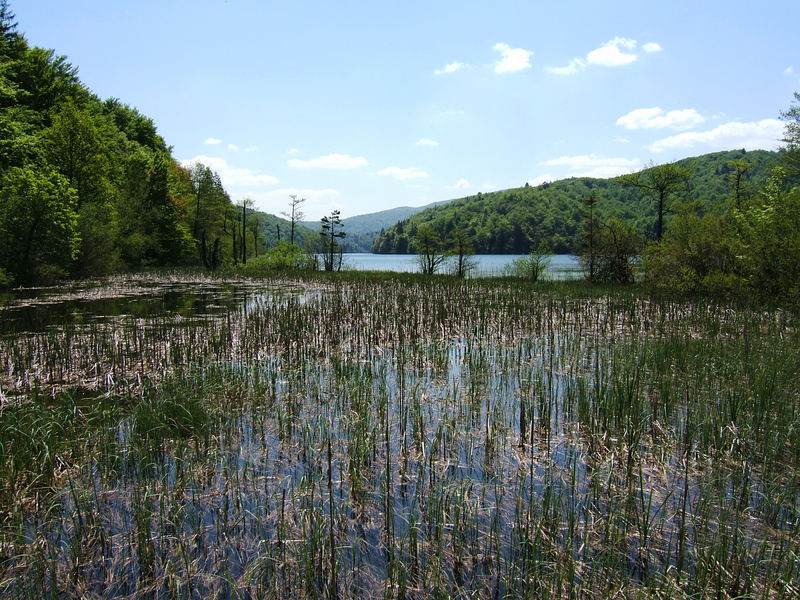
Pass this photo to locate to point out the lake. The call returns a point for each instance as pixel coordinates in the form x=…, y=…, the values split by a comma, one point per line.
x=562, y=266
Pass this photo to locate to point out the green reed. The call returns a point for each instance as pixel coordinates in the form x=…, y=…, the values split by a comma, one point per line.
x=405, y=437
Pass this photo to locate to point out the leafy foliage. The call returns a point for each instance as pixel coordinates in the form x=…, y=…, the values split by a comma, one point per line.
x=281, y=258
x=516, y=221
x=697, y=254
x=94, y=182
x=791, y=151
x=38, y=224
x=616, y=246
x=530, y=267
x=750, y=246
x=769, y=233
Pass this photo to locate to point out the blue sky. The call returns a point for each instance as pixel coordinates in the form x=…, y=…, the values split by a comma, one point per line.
x=364, y=106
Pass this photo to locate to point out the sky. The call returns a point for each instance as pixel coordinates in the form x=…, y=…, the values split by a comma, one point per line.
x=365, y=105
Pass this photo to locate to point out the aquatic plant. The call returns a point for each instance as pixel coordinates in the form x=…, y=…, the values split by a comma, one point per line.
x=405, y=437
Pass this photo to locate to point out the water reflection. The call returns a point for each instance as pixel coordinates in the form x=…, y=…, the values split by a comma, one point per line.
x=35, y=310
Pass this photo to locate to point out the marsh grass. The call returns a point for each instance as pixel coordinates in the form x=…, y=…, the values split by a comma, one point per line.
x=406, y=437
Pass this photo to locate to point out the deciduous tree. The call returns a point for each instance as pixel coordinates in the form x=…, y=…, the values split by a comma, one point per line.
x=38, y=224
x=462, y=251
x=617, y=246
x=428, y=244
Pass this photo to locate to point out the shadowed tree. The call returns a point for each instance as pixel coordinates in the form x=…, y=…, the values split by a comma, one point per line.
x=38, y=224
x=428, y=244
x=617, y=246
x=462, y=251
x=331, y=233
x=213, y=211
x=737, y=180
x=245, y=203
x=661, y=182
x=255, y=224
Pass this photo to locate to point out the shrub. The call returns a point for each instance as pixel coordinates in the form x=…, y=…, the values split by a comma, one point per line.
x=697, y=254
x=283, y=257
x=616, y=247
x=530, y=267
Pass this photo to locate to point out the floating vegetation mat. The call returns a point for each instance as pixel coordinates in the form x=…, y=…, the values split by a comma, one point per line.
x=410, y=438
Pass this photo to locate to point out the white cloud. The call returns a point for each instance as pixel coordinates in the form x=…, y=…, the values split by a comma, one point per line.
x=461, y=184
x=611, y=54
x=427, y=142
x=400, y=173
x=450, y=68
x=754, y=135
x=232, y=176
x=592, y=165
x=575, y=65
x=789, y=71
x=251, y=149
x=614, y=53
x=512, y=59
x=233, y=147
x=540, y=179
x=329, y=161
x=656, y=118
x=622, y=140
x=212, y=141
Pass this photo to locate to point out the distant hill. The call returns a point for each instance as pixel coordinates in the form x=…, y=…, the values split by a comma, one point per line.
x=362, y=230
x=515, y=221
x=272, y=227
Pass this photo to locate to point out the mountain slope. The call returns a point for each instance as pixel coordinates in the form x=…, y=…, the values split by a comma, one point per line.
x=362, y=230
x=518, y=220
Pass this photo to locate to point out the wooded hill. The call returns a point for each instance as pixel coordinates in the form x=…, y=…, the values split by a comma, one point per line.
x=363, y=229
x=517, y=221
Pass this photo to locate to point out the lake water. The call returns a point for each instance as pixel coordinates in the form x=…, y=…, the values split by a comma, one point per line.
x=562, y=266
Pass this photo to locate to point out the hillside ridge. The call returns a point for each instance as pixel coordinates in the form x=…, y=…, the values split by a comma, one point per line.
x=518, y=220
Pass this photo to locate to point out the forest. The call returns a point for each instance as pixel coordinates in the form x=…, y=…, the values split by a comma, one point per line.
x=519, y=220
x=88, y=186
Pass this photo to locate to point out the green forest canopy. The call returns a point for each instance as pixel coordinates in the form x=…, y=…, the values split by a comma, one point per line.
x=87, y=186
x=519, y=220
